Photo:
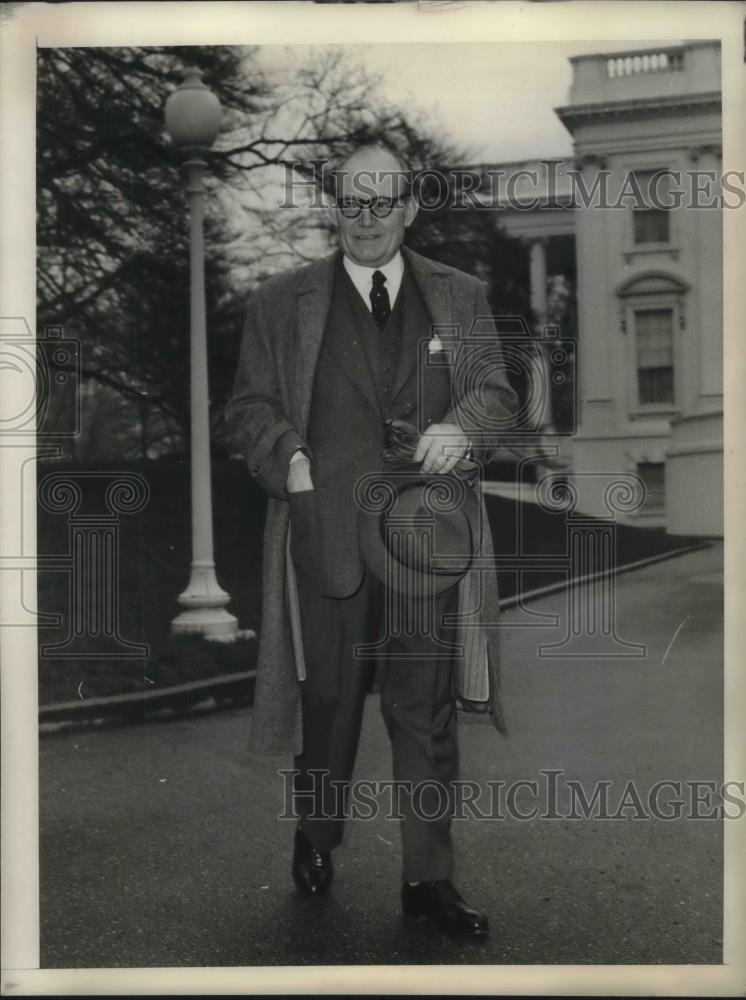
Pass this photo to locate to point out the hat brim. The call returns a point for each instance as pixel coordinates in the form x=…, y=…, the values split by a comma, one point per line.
x=405, y=579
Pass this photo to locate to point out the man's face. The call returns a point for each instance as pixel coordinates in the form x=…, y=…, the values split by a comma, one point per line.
x=367, y=175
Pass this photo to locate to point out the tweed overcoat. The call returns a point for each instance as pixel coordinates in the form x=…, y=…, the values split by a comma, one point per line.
x=267, y=418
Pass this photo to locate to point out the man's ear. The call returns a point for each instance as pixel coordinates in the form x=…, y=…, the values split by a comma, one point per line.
x=410, y=211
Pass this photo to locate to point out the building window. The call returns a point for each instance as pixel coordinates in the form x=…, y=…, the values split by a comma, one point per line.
x=650, y=225
x=653, y=475
x=655, y=372
x=651, y=221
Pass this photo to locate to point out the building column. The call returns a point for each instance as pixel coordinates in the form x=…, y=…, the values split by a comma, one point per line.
x=539, y=279
x=542, y=388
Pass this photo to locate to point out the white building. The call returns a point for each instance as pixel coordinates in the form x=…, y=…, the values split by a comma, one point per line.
x=649, y=274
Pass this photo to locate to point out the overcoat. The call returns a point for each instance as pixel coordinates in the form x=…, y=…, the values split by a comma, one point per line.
x=267, y=419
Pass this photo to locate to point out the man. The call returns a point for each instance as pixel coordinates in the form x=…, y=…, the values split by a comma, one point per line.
x=331, y=352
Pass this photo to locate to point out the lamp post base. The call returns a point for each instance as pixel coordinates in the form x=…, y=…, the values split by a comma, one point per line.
x=204, y=612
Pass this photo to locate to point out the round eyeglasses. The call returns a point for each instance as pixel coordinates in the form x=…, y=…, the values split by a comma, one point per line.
x=380, y=208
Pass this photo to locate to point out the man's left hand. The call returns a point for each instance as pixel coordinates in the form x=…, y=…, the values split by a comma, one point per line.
x=440, y=448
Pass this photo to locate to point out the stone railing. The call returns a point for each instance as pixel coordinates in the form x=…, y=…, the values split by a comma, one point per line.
x=634, y=63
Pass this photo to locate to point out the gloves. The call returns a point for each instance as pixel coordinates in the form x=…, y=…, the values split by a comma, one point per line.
x=400, y=444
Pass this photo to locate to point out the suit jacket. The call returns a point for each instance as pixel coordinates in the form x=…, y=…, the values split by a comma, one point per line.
x=363, y=376
x=267, y=418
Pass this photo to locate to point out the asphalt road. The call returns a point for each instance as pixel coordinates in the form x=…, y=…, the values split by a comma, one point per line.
x=161, y=846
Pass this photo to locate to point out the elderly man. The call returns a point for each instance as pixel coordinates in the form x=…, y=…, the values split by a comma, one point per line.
x=331, y=353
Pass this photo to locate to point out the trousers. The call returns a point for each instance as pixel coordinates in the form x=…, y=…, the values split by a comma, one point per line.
x=408, y=639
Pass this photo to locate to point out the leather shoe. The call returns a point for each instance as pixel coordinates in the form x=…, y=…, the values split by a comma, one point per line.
x=441, y=903
x=312, y=869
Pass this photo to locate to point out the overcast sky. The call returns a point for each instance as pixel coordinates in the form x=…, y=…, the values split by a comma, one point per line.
x=497, y=99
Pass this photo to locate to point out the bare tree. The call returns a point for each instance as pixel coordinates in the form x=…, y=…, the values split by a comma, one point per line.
x=111, y=229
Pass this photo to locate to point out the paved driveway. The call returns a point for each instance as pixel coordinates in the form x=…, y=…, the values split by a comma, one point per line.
x=161, y=846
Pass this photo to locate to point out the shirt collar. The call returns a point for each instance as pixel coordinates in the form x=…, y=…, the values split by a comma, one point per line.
x=362, y=277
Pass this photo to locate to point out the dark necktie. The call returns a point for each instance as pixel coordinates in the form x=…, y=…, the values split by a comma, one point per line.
x=379, y=300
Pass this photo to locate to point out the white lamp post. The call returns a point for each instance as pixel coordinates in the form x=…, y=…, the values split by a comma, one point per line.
x=193, y=118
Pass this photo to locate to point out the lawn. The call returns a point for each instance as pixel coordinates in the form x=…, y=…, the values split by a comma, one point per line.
x=154, y=569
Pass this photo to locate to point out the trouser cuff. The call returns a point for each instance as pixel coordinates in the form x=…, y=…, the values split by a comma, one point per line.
x=323, y=834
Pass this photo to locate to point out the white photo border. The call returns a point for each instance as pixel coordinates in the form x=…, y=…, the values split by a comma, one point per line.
x=26, y=26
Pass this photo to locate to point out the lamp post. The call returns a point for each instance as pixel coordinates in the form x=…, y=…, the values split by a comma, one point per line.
x=193, y=118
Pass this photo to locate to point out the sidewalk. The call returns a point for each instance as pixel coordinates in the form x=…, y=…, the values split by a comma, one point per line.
x=160, y=844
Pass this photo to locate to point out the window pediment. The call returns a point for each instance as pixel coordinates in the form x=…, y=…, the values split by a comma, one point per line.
x=652, y=283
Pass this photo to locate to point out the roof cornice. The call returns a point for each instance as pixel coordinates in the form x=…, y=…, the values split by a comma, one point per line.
x=572, y=115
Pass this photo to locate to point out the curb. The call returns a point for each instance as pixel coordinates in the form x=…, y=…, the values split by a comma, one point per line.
x=140, y=704
x=553, y=588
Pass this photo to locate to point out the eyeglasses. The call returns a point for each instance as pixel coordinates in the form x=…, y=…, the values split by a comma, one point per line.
x=380, y=208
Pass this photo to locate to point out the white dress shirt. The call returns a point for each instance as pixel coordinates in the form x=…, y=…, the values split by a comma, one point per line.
x=362, y=277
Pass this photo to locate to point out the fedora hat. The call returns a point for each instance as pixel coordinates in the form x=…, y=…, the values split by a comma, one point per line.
x=418, y=534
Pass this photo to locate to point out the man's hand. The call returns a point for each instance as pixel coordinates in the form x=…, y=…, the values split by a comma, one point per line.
x=441, y=448
x=299, y=474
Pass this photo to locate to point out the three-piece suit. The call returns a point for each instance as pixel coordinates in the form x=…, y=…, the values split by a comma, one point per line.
x=316, y=374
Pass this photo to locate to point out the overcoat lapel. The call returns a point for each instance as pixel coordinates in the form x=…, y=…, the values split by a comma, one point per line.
x=436, y=293
x=434, y=285
x=313, y=299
